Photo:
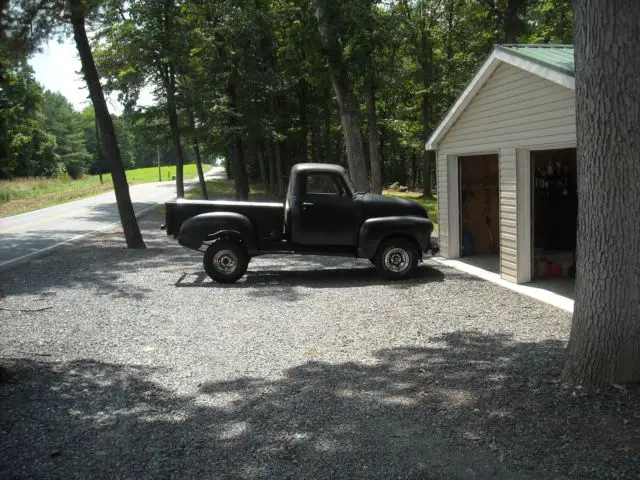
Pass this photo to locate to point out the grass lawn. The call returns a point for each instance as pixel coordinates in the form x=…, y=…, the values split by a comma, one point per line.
x=26, y=194
x=224, y=190
x=431, y=204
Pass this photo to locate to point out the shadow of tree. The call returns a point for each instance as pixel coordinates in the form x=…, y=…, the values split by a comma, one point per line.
x=469, y=405
x=103, y=264
x=314, y=277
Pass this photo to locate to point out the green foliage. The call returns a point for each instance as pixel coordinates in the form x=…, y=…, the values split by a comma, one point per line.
x=66, y=125
x=255, y=71
x=21, y=195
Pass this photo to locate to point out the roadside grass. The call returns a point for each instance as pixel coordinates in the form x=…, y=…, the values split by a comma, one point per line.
x=431, y=204
x=22, y=195
x=219, y=189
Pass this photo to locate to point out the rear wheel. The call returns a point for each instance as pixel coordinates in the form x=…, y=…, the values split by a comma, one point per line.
x=225, y=261
x=396, y=258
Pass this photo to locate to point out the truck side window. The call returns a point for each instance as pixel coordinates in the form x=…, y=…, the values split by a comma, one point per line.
x=322, y=184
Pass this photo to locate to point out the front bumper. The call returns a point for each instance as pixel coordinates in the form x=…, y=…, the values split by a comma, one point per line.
x=432, y=247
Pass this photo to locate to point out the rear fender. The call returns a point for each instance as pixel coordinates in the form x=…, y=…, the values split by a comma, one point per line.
x=375, y=230
x=211, y=226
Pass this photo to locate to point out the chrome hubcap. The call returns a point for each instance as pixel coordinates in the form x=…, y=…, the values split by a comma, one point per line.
x=225, y=261
x=396, y=260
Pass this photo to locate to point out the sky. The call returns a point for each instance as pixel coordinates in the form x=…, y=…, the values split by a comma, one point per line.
x=57, y=68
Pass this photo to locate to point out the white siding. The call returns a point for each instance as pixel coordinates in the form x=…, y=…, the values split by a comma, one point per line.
x=514, y=109
x=443, y=205
x=508, y=215
x=514, y=112
x=448, y=216
x=523, y=172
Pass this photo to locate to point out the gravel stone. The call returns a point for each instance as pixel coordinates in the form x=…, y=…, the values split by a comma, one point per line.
x=134, y=364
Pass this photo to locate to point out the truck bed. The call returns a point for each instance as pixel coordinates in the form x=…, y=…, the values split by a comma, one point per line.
x=268, y=217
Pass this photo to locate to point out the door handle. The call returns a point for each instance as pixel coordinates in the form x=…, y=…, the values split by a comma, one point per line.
x=307, y=204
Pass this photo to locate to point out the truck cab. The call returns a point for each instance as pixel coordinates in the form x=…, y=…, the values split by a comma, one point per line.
x=321, y=206
x=322, y=215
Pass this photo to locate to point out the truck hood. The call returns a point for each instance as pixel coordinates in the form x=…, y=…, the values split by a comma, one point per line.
x=384, y=206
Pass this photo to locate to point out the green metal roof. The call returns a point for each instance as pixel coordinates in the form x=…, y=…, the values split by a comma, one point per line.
x=557, y=57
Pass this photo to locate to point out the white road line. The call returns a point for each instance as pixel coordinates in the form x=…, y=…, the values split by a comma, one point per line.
x=156, y=200
x=73, y=239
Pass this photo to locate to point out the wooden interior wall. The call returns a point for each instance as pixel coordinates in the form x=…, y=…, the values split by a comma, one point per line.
x=479, y=201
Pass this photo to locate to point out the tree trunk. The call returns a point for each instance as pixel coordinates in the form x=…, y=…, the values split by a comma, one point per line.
x=238, y=168
x=349, y=117
x=604, y=347
x=196, y=151
x=511, y=21
x=271, y=163
x=304, y=125
x=429, y=159
x=99, y=160
x=262, y=164
x=172, y=112
x=374, y=141
x=279, y=176
x=326, y=155
x=132, y=234
x=316, y=143
x=427, y=156
x=414, y=171
x=227, y=166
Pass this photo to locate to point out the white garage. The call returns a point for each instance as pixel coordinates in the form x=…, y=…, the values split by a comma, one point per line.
x=506, y=164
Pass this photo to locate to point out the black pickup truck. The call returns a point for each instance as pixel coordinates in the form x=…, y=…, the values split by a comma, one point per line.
x=322, y=215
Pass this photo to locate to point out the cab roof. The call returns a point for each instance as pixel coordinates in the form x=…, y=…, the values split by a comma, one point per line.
x=325, y=167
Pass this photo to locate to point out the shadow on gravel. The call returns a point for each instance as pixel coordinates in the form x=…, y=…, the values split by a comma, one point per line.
x=469, y=406
x=101, y=262
x=354, y=277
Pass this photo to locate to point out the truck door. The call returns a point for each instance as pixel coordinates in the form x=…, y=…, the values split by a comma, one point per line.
x=324, y=212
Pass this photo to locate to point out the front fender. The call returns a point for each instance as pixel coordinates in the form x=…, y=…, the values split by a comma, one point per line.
x=375, y=230
x=208, y=226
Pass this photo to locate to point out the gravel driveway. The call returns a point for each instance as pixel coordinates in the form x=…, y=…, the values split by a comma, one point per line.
x=133, y=364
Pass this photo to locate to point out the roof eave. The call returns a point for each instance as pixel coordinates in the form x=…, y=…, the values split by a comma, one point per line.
x=485, y=71
x=497, y=56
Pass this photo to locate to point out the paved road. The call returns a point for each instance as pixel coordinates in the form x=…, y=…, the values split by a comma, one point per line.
x=25, y=236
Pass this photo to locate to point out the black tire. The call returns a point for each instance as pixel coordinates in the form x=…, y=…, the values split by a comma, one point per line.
x=225, y=261
x=397, y=258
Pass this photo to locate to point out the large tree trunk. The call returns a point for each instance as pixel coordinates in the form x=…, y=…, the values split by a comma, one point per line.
x=196, y=151
x=132, y=234
x=262, y=164
x=414, y=171
x=238, y=168
x=304, y=124
x=604, y=347
x=374, y=141
x=271, y=164
x=279, y=173
x=429, y=160
x=427, y=156
x=327, y=155
x=172, y=111
x=349, y=117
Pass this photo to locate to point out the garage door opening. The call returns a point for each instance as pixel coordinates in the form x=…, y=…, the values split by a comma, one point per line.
x=555, y=212
x=479, y=210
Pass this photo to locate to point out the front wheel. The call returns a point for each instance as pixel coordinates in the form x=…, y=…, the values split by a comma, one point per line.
x=396, y=258
x=225, y=261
